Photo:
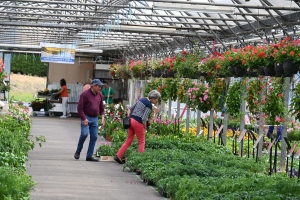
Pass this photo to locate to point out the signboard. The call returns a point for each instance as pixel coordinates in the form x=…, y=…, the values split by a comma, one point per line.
x=57, y=53
x=257, y=141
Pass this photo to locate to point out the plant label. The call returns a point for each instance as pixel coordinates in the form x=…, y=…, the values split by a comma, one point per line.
x=270, y=145
x=219, y=131
x=242, y=136
x=257, y=141
x=292, y=150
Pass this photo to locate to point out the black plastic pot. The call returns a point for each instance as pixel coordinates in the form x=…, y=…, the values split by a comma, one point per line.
x=240, y=72
x=270, y=71
x=157, y=73
x=290, y=68
x=279, y=69
x=232, y=71
x=261, y=71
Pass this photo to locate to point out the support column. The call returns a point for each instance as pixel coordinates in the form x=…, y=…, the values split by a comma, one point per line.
x=242, y=120
x=260, y=126
x=178, y=109
x=198, y=121
x=286, y=89
x=170, y=109
x=188, y=111
x=211, y=125
x=225, y=127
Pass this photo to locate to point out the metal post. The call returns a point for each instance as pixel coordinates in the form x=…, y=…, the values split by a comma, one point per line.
x=170, y=109
x=211, y=125
x=188, y=111
x=198, y=121
x=286, y=89
x=242, y=121
x=225, y=127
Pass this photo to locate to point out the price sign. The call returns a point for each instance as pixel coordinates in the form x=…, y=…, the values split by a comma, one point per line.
x=297, y=153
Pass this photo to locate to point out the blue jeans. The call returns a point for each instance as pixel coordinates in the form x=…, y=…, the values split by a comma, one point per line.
x=92, y=127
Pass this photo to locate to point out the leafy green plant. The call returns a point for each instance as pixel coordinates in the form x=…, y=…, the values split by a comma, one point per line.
x=295, y=102
x=14, y=184
x=233, y=99
x=106, y=150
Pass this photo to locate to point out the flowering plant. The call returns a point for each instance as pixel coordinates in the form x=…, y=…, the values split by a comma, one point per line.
x=166, y=64
x=272, y=103
x=44, y=92
x=234, y=57
x=187, y=64
x=256, y=56
x=198, y=97
x=182, y=90
x=136, y=68
x=119, y=71
x=253, y=97
x=38, y=104
x=3, y=87
x=286, y=50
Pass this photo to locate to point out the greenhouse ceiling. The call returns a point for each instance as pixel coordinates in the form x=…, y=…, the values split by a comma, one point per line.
x=134, y=28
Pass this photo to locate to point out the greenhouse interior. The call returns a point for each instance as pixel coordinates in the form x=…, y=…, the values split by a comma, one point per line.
x=221, y=78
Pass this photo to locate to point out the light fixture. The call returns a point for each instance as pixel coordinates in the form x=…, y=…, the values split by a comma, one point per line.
x=196, y=8
x=142, y=29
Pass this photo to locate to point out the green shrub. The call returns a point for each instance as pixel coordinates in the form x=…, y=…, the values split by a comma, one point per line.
x=14, y=184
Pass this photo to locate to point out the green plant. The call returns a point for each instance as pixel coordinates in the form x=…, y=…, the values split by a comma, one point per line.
x=199, y=97
x=106, y=150
x=272, y=102
x=295, y=102
x=294, y=135
x=39, y=104
x=253, y=95
x=233, y=99
x=216, y=93
x=15, y=184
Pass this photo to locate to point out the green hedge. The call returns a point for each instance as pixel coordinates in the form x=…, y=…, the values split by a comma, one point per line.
x=28, y=65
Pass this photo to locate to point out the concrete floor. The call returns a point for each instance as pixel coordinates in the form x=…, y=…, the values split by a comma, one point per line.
x=59, y=176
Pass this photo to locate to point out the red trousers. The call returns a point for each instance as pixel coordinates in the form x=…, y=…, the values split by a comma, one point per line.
x=137, y=129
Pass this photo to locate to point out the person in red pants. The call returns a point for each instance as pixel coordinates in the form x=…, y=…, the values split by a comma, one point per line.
x=139, y=114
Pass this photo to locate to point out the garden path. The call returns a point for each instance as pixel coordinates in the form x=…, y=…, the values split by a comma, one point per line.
x=59, y=176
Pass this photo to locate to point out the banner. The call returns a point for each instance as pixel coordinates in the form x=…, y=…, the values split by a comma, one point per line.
x=57, y=53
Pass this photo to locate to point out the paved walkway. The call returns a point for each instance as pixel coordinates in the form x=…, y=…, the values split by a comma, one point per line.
x=60, y=177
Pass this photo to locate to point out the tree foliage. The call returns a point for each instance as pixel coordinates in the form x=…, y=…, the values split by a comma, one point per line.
x=28, y=64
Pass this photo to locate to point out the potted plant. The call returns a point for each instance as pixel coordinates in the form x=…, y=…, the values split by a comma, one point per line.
x=233, y=99
x=253, y=95
x=136, y=68
x=198, y=97
x=235, y=57
x=38, y=104
x=255, y=57
x=164, y=68
x=186, y=65
x=285, y=55
x=272, y=103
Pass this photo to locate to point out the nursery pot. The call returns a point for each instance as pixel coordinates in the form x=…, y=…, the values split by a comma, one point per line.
x=252, y=73
x=279, y=69
x=232, y=71
x=270, y=71
x=170, y=73
x=261, y=71
x=157, y=73
x=203, y=74
x=290, y=68
x=240, y=72
x=164, y=73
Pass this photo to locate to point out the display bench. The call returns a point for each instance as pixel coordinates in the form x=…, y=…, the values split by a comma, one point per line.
x=74, y=90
